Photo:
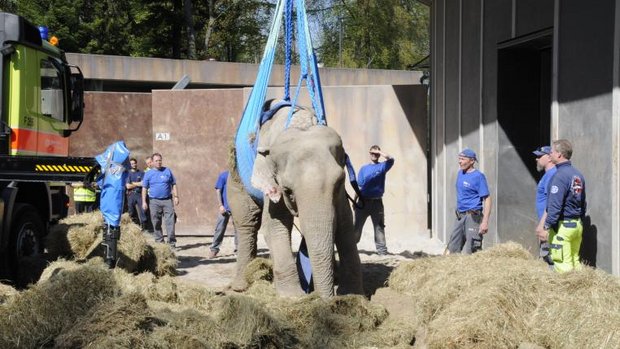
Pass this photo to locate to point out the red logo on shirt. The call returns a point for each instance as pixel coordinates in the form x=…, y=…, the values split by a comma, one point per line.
x=576, y=185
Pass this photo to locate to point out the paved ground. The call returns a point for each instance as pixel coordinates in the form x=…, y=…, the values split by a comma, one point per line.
x=193, y=248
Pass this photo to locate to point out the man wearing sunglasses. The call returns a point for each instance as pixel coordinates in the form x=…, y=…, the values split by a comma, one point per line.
x=566, y=207
x=543, y=163
x=371, y=180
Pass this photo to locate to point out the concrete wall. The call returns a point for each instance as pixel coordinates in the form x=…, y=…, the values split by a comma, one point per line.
x=588, y=115
x=201, y=124
x=109, y=117
x=583, y=107
x=106, y=67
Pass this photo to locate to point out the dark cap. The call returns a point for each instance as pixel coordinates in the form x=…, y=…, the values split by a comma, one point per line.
x=545, y=150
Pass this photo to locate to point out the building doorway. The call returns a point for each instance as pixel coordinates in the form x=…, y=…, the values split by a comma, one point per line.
x=524, y=118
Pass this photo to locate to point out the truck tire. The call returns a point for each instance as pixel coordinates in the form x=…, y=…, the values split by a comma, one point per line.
x=26, y=245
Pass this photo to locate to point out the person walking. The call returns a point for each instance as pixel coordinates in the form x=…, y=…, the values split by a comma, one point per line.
x=543, y=163
x=371, y=179
x=161, y=187
x=473, y=207
x=134, y=194
x=222, y=217
x=566, y=208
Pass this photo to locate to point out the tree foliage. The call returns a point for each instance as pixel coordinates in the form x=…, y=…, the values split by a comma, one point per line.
x=385, y=34
x=389, y=34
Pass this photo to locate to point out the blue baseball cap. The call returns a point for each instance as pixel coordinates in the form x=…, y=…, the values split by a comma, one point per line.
x=545, y=150
x=468, y=153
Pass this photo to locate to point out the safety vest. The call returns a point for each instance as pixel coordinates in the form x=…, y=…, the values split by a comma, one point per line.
x=82, y=194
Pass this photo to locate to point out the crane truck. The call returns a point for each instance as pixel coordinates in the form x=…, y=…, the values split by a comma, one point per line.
x=42, y=104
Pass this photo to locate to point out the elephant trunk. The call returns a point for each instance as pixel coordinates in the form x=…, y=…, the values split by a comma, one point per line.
x=317, y=219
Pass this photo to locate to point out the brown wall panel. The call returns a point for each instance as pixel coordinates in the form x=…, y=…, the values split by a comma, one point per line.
x=110, y=117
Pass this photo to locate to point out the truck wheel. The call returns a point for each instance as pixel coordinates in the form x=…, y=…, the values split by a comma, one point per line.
x=26, y=247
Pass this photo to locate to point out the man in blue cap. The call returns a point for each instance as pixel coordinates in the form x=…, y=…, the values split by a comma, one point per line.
x=473, y=203
x=543, y=163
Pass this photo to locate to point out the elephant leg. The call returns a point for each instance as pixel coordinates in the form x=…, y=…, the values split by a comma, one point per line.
x=349, y=271
x=277, y=225
x=246, y=215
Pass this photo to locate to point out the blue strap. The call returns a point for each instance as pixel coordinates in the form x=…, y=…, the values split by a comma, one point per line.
x=268, y=114
x=247, y=132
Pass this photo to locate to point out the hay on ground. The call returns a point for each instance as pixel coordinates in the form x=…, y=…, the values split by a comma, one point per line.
x=502, y=297
x=36, y=316
x=121, y=322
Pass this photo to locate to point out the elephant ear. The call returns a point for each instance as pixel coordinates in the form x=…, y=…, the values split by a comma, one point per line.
x=264, y=177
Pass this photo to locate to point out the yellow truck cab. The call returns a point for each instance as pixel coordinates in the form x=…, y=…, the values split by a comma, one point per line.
x=42, y=104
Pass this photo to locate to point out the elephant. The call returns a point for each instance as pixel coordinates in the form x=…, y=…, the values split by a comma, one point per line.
x=300, y=171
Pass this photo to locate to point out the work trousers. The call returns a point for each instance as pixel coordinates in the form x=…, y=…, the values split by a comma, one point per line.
x=565, y=242
x=134, y=207
x=374, y=209
x=466, y=235
x=84, y=206
x=220, y=230
x=162, y=209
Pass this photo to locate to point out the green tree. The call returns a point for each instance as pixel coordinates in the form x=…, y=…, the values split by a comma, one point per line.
x=384, y=34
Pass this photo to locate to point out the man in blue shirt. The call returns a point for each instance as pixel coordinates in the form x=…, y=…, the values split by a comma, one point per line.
x=161, y=187
x=566, y=207
x=222, y=217
x=473, y=207
x=371, y=179
x=543, y=163
x=134, y=194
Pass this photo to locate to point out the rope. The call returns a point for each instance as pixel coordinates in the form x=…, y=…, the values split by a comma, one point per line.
x=288, y=27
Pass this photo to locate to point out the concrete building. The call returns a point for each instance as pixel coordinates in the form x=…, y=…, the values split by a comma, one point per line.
x=511, y=75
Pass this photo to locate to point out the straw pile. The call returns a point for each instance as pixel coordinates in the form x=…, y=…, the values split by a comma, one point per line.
x=79, y=237
x=502, y=297
x=498, y=298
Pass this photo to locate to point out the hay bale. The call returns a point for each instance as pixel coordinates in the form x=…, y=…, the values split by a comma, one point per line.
x=337, y=322
x=508, y=249
x=56, y=242
x=36, y=316
x=80, y=236
x=158, y=259
x=262, y=290
x=56, y=267
x=580, y=310
x=247, y=323
x=503, y=297
x=259, y=269
x=195, y=296
x=73, y=234
x=7, y=293
x=130, y=283
x=163, y=290
x=121, y=322
x=184, y=329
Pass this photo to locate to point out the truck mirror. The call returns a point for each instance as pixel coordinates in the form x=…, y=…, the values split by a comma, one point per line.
x=75, y=97
x=76, y=110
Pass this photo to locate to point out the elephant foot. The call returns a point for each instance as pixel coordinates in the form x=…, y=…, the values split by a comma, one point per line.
x=289, y=290
x=239, y=284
